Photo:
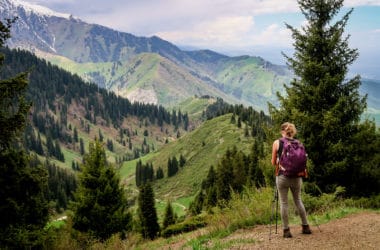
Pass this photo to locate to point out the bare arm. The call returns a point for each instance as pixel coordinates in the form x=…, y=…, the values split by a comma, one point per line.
x=274, y=152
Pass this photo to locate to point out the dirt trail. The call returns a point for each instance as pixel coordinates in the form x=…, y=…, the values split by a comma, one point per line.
x=356, y=231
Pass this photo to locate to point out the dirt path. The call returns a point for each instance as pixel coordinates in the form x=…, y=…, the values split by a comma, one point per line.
x=356, y=231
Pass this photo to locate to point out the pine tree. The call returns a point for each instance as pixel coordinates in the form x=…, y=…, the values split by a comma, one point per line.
x=100, y=208
x=255, y=174
x=23, y=209
x=224, y=177
x=210, y=186
x=197, y=204
x=75, y=135
x=182, y=161
x=321, y=101
x=138, y=173
x=169, y=217
x=147, y=212
x=159, y=173
x=13, y=106
x=81, y=146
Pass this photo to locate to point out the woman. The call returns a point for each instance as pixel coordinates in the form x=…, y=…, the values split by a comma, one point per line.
x=284, y=183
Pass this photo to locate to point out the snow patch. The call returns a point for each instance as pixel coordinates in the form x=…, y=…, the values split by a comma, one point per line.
x=38, y=9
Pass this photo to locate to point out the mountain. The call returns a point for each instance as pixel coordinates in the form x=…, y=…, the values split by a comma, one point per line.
x=117, y=60
x=68, y=113
x=371, y=87
x=150, y=70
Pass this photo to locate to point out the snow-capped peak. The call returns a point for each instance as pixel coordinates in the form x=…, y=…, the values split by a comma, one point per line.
x=37, y=9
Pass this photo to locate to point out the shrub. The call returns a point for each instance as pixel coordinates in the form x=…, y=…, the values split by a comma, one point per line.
x=186, y=226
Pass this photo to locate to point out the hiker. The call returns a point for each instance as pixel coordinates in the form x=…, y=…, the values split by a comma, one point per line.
x=285, y=181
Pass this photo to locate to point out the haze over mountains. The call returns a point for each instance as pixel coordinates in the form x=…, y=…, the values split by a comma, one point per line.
x=143, y=69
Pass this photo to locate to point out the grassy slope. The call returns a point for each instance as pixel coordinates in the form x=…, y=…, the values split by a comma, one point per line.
x=202, y=148
x=248, y=79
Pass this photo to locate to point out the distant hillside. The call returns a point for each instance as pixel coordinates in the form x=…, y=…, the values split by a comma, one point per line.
x=67, y=113
x=117, y=61
x=149, y=69
x=202, y=148
x=372, y=88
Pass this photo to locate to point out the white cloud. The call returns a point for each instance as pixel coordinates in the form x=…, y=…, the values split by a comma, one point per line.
x=274, y=35
x=353, y=3
x=232, y=33
x=222, y=30
x=208, y=24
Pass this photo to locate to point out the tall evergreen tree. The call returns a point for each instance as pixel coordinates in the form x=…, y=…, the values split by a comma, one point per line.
x=100, y=208
x=13, y=106
x=159, y=173
x=75, y=135
x=169, y=217
x=323, y=103
x=81, y=146
x=182, y=160
x=23, y=209
x=224, y=177
x=147, y=212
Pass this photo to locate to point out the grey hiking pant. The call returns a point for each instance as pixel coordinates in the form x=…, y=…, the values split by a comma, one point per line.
x=294, y=184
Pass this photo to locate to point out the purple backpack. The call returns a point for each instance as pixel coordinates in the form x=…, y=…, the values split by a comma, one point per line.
x=293, y=157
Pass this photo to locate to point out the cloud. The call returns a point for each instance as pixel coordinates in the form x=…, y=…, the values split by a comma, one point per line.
x=209, y=24
x=274, y=35
x=353, y=3
x=217, y=31
x=230, y=33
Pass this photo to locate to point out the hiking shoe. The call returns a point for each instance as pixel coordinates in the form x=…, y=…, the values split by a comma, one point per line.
x=306, y=229
x=287, y=233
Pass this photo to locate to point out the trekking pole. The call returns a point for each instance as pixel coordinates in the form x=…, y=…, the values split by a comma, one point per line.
x=315, y=222
x=276, y=197
x=270, y=221
x=273, y=203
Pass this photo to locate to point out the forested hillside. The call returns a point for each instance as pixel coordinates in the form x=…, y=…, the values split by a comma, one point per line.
x=59, y=98
x=67, y=113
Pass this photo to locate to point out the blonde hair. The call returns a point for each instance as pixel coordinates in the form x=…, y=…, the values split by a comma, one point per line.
x=289, y=129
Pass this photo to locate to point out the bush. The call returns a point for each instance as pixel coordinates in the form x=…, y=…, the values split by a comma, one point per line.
x=372, y=202
x=186, y=226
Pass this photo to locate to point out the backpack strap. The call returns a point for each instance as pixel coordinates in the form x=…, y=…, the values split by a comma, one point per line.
x=279, y=152
x=280, y=147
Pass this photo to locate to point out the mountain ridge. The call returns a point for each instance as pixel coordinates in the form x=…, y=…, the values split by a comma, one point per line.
x=105, y=56
x=84, y=43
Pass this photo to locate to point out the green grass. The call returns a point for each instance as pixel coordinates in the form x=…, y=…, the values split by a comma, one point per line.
x=201, y=148
x=56, y=224
x=194, y=106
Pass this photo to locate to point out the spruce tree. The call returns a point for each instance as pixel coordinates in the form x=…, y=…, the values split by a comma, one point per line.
x=23, y=209
x=182, y=161
x=100, y=208
x=225, y=177
x=323, y=103
x=147, y=212
x=169, y=217
x=13, y=106
x=159, y=173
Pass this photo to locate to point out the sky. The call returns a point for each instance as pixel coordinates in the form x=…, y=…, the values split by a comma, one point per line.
x=231, y=27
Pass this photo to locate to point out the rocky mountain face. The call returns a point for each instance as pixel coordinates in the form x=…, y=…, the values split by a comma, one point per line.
x=145, y=69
